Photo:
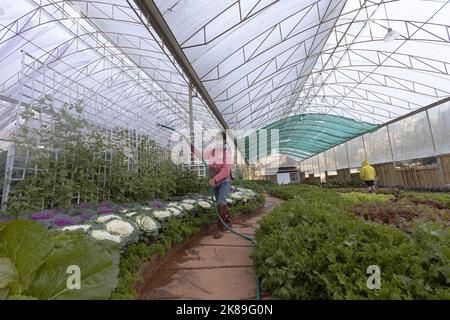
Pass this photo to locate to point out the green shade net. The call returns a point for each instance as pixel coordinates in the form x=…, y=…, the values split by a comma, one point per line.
x=302, y=136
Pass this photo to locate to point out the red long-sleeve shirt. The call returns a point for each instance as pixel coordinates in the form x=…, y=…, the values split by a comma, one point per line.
x=221, y=159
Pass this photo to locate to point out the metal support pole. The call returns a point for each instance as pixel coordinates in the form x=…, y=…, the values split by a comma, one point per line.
x=12, y=147
x=440, y=171
x=191, y=122
x=392, y=152
x=364, y=146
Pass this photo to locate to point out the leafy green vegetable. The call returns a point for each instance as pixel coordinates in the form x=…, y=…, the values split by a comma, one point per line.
x=36, y=263
x=98, y=268
x=311, y=247
x=27, y=245
x=8, y=274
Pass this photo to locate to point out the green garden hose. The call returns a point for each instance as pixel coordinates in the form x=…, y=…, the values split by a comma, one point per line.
x=213, y=199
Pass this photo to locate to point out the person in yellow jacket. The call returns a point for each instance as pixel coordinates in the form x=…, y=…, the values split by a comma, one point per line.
x=368, y=173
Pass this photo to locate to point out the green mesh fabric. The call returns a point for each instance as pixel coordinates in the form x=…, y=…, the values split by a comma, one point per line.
x=304, y=135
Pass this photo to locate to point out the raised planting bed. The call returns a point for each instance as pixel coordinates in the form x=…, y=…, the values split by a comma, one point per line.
x=121, y=236
x=403, y=214
x=314, y=247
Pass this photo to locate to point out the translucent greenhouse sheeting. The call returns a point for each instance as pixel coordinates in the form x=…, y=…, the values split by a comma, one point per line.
x=331, y=160
x=411, y=138
x=440, y=126
x=356, y=153
x=359, y=75
x=252, y=56
x=100, y=45
x=260, y=62
x=377, y=146
x=265, y=60
x=305, y=135
x=322, y=162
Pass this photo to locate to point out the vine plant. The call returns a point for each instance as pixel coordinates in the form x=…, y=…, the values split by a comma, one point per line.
x=69, y=160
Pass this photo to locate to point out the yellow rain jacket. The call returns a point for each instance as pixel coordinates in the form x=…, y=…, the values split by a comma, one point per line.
x=367, y=172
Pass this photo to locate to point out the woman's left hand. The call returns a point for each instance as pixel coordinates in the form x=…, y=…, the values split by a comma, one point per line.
x=211, y=183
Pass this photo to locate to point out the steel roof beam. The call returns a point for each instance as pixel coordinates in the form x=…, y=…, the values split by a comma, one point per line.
x=155, y=18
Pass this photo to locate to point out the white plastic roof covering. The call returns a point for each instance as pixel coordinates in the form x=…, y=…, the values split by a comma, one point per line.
x=102, y=45
x=260, y=60
x=263, y=60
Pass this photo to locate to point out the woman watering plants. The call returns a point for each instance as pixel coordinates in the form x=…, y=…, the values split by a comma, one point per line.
x=220, y=163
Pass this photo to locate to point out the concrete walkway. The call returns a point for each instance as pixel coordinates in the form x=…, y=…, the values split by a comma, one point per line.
x=210, y=268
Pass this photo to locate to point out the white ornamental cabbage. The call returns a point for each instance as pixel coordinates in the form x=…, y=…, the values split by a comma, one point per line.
x=235, y=196
x=172, y=204
x=204, y=204
x=230, y=201
x=189, y=201
x=84, y=227
x=187, y=206
x=146, y=208
x=131, y=214
x=175, y=211
x=106, y=218
x=146, y=224
x=120, y=227
x=162, y=214
x=105, y=235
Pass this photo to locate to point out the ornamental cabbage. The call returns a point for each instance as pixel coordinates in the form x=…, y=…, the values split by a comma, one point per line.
x=146, y=224
x=204, y=204
x=162, y=214
x=187, y=206
x=106, y=218
x=105, y=235
x=175, y=211
x=131, y=214
x=120, y=227
x=84, y=227
x=236, y=196
x=44, y=215
x=172, y=204
x=189, y=201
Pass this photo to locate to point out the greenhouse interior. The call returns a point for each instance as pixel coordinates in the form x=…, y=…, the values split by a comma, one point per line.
x=225, y=150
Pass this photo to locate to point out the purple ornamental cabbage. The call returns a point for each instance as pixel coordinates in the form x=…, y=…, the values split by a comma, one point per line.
x=84, y=205
x=158, y=204
x=83, y=216
x=105, y=210
x=58, y=210
x=6, y=219
x=63, y=220
x=43, y=215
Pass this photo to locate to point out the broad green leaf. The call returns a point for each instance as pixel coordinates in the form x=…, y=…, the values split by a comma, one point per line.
x=26, y=244
x=98, y=267
x=8, y=272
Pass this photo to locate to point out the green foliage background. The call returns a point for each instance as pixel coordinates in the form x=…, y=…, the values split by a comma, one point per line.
x=70, y=160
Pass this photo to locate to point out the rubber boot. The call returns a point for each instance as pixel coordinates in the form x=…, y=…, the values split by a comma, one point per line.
x=220, y=227
x=228, y=217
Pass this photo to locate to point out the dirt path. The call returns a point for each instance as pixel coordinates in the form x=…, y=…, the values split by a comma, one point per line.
x=208, y=268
